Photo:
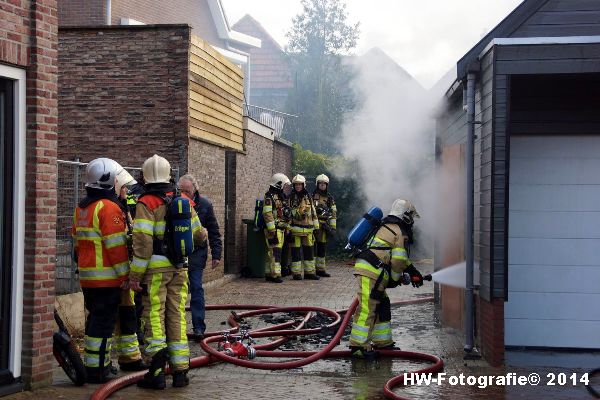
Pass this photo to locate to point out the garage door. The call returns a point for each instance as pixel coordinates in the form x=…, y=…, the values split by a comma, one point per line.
x=554, y=242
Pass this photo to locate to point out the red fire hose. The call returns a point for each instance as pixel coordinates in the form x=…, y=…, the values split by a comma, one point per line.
x=282, y=332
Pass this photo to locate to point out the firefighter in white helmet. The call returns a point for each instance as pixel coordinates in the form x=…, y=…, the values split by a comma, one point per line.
x=277, y=218
x=163, y=284
x=304, y=222
x=99, y=233
x=327, y=214
x=378, y=267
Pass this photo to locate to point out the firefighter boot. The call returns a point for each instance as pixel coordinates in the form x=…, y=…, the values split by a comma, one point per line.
x=180, y=379
x=137, y=365
x=323, y=274
x=155, y=377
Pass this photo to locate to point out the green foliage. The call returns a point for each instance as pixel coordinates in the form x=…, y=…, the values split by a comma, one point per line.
x=318, y=39
x=346, y=189
x=321, y=29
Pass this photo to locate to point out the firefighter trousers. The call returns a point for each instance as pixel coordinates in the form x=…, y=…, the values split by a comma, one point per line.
x=126, y=339
x=164, y=316
x=321, y=249
x=274, y=250
x=372, y=318
x=302, y=254
x=103, y=307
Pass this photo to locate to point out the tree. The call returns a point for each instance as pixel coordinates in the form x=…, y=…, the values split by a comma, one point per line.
x=319, y=38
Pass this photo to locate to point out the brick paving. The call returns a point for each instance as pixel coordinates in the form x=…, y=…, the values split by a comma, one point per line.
x=415, y=328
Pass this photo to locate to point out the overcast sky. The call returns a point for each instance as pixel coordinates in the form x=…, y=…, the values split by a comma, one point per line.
x=426, y=37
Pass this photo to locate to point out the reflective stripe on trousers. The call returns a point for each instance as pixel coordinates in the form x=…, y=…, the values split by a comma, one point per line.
x=164, y=316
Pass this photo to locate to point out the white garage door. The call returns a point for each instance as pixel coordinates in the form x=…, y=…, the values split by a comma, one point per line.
x=554, y=242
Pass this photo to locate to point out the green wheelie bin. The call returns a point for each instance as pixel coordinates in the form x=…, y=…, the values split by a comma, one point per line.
x=256, y=251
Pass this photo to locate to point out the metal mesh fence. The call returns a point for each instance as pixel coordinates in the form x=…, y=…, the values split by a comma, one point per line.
x=70, y=190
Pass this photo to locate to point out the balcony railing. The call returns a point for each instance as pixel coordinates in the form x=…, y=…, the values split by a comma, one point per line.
x=285, y=125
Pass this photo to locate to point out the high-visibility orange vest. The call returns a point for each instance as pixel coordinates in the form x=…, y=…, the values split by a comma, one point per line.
x=99, y=232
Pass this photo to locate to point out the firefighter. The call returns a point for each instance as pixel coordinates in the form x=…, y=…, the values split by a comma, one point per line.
x=276, y=216
x=128, y=190
x=99, y=232
x=164, y=286
x=379, y=266
x=327, y=214
x=304, y=221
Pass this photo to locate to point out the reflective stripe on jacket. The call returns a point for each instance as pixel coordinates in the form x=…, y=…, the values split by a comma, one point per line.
x=304, y=216
x=100, y=236
x=389, y=236
x=149, y=224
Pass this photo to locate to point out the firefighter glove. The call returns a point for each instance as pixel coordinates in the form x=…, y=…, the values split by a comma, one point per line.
x=415, y=275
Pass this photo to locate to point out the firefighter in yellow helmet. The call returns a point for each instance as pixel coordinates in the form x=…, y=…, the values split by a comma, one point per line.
x=277, y=217
x=379, y=266
x=99, y=232
x=327, y=214
x=163, y=284
x=304, y=222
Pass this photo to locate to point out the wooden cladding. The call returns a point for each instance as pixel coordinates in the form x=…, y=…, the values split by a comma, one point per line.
x=216, y=94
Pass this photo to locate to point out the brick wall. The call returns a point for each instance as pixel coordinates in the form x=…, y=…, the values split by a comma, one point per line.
x=207, y=164
x=490, y=320
x=253, y=171
x=283, y=155
x=81, y=12
x=195, y=13
x=14, y=32
x=28, y=38
x=123, y=93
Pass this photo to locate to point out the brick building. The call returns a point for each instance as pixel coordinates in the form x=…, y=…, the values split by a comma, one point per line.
x=28, y=120
x=272, y=76
x=130, y=91
x=206, y=17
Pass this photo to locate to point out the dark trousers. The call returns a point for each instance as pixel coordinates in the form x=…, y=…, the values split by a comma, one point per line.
x=103, y=306
x=197, y=305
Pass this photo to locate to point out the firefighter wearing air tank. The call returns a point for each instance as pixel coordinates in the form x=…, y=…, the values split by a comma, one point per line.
x=327, y=214
x=100, y=237
x=304, y=222
x=276, y=215
x=381, y=264
x=159, y=271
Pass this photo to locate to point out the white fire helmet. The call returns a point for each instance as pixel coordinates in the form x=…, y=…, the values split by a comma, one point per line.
x=156, y=169
x=299, y=179
x=279, y=180
x=404, y=210
x=322, y=178
x=101, y=173
x=124, y=178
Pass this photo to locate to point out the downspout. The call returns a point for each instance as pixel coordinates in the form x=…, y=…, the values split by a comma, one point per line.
x=108, y=12
x=469, y=212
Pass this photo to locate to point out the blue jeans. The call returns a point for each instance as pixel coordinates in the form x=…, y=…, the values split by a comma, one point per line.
x=195, y=272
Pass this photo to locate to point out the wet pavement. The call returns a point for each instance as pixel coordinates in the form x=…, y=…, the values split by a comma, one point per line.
x=416, y=328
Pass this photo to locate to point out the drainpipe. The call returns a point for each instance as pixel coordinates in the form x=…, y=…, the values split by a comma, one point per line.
x=108, y=12
x=469, y=212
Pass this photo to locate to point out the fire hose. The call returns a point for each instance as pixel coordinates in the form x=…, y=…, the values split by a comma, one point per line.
x=283, y=331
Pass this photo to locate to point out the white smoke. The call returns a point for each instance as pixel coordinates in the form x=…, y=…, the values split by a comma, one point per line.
x=390, y=136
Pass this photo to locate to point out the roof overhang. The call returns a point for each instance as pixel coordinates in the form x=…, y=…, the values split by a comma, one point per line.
x=538, y=41
x=223, y=29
